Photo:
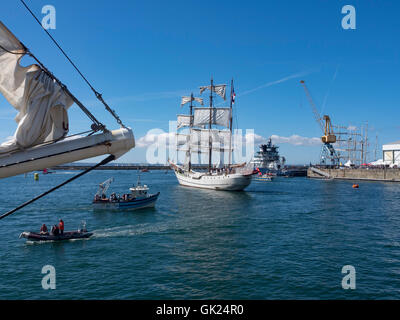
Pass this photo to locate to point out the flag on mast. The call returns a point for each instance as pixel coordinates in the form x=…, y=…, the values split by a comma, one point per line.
x=233, y=96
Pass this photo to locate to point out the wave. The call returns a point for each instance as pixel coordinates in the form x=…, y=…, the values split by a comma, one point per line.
x=128, y=231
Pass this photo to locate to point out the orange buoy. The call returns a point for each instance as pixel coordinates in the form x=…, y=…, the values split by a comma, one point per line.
x=355, y=186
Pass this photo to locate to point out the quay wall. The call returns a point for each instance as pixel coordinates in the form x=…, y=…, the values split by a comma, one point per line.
x=373, y=174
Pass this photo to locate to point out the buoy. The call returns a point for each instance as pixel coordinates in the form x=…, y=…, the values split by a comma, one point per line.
x=36, y=176
x=355, y=186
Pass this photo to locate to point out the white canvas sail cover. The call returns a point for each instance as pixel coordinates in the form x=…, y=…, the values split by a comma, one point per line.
x=182, y=139
x=202, y=136
x=183, y=121
x=219, y=89
x=198, y=140
x=219, y=116
x=189, y=99
x=41, y=103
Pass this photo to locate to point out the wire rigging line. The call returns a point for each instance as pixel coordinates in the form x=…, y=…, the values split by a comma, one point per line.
x=97, y=94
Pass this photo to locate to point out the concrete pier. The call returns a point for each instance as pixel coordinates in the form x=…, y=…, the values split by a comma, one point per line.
x=372, y=174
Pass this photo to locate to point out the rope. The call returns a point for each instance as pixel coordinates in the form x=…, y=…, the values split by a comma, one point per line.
x=105, y=161
x=97, y=94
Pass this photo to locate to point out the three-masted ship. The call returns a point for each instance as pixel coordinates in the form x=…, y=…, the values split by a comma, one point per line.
x=209, y=130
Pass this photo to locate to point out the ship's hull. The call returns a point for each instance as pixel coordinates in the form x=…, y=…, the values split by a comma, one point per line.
x=274, y=172
x=127, y=205
x=228, y=182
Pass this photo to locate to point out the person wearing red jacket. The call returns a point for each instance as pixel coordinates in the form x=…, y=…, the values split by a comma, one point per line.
x=61, y=226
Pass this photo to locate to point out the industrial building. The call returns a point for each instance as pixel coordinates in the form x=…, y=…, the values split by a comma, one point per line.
x=391, y=153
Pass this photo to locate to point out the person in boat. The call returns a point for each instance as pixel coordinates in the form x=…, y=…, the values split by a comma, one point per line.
x=61, y=226
x=55, y=231
x=43, y=229
x=113, y=197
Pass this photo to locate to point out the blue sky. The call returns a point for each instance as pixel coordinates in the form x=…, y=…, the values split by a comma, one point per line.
x=143, y=55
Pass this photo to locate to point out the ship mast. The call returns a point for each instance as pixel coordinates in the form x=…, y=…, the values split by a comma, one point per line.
x=230, y=126
x=210, y=127
x=190, y=130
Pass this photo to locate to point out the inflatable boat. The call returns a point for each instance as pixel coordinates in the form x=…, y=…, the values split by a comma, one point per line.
x=69, y=235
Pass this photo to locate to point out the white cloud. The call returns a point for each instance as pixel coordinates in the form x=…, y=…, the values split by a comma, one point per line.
x=256, y=138
x=351, y=128
x=155, y=137
x=161, y=138
x=296, y=140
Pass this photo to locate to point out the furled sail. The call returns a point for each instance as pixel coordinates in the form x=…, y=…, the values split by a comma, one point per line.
x=41, y=103
x=219, y=89
x=219, y=116
x=189, y=99
x=183, y=121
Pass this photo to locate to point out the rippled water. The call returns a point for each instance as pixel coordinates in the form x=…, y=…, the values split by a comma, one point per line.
x=288, y=239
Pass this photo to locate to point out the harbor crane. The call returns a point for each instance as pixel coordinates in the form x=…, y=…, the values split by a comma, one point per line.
x=328, y=152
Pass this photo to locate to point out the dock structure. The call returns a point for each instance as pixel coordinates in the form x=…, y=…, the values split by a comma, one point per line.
x=321, y=173
x=370, y=174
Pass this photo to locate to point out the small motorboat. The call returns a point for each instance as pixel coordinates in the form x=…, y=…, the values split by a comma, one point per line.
x=68, y=235
x=138, y=198
x=264, y=178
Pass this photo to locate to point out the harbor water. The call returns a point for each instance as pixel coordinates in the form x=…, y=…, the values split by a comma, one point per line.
x=286, y=239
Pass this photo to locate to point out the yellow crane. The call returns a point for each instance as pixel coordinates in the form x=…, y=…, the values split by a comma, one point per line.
x=328, y=151
x=329, y=136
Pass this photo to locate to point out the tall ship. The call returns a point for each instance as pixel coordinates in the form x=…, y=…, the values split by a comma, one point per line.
x=209, y=130
x=267, y=159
